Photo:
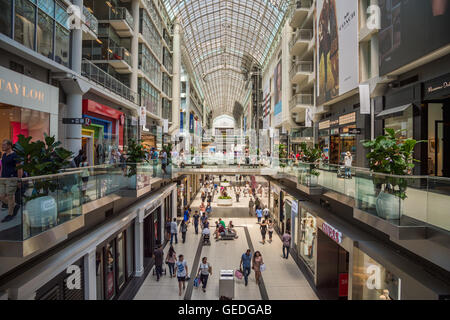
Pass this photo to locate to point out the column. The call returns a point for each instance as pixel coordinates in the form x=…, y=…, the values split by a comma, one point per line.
x=74, y=99
x=176, y=81
x=90, y=275
x=139, y=244
x=135, y=46
x=174, y=203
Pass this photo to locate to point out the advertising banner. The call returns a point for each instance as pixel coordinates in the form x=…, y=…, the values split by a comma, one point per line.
x=364, y=98
x=411, y=29
x=191, y=123
x=277, y=81
x=337, y=42
x=142, y=116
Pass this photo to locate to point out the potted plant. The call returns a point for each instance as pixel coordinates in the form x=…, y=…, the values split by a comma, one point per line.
x=224, y=201
x=392, y=156
x=282, y=154
x=136, y=154
x=42, y=158
x=311, y=156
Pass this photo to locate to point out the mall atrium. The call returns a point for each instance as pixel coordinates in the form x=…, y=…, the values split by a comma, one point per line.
x=225, y=150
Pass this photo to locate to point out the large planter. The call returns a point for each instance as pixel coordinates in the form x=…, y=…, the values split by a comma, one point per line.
x=225, y=202
x=389, y=206
x=224, y=184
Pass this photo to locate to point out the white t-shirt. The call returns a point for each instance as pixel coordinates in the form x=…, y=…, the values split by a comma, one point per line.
x=204, y=268
x=206, y=231
x=181, y=268
x=348, y=161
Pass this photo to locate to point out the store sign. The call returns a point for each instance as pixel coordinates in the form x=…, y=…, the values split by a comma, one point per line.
x=333, y=233
x=437, y=88
x=134, y=121
x=348, y=118
x=354, y=130
x=324, y=125
x=22, y=91
x=165, y=125
x=343, y=285
x=82, y=121
x=294, y=208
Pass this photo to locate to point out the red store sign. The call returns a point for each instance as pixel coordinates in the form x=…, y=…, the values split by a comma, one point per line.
x=332, y=232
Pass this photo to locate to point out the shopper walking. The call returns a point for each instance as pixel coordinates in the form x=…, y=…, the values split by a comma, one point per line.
x=196, y=217
x=183, y=230
x=250, y=206
x=266, y=212
x=171, y=258
x=263, y=228
x=286, y=243
x=348, y=159
x=245, y=265
x=173, y=231
x=257, y=263
x=270, y=229
x=158, y=255
x=182, y=271
x=259, y=214
x=204, y=271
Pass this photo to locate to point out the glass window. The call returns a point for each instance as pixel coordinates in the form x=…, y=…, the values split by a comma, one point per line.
x=25, y=23
x=99, y=274
x=16, y=120
x=306, y=239
x=45, y=35
x=5, y=17
x=48, y=6
x=130, y=252
x=61, y=16
x=120, y=260
x=110, y=269
x=403, y=122
x=62, y=45
x=371, y=280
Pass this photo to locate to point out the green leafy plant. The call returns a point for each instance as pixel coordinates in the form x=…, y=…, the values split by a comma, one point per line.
x=282, y=154
x=311, y=155
x=39, y=158
x=393, y=155
x=136, y=153
x=224, y=198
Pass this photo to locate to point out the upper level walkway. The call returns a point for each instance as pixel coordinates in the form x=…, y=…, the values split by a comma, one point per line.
x=51, y=207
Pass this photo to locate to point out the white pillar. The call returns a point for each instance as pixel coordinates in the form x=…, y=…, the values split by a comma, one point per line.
x=135, y=46
x=74, y=100
x=90, y=275
x=176, y=81
x=139, y=244
x=174, y=203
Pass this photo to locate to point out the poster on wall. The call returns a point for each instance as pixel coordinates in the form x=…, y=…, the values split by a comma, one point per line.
x=277, y=80
x=191, y=123
x=411, y=29
x=337, y=42
x=266, y=106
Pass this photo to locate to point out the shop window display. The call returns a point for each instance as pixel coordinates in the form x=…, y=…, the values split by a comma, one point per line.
x=403, y=122
x=306, y=242
x=372, y=281
x=16, y=120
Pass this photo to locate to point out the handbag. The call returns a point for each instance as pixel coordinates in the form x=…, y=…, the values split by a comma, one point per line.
x=262, y=267
x=196, y=282
x=238, y=274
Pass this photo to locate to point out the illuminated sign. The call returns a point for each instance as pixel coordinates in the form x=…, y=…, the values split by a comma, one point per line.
x=348, y=118
x=333, y=233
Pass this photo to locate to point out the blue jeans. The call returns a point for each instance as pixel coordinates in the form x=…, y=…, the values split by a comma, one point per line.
x=171, y=268
x=246, y=272
x=348, y=172
x=196, y=227
x=204, y=280
x=158, y=271
x=171, y=238
x=259, y=219
x=286, y=255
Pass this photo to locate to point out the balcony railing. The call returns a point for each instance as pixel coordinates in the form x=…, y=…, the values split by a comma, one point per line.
x=301, y=35
x=121, y=13
x=90, y=20
x=99, y=76
x=301, y=67
x=301, y=99
x=119, y=53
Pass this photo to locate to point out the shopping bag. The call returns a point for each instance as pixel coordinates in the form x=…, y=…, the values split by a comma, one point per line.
x=262, y=267
x=238, y=274
x=196, y=282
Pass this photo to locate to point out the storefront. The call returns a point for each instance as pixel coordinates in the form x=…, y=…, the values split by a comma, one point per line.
x=275, y=204
x=335, y=138
x=105, y=133
x=436, y=98
x=115, y=263
x=27, y=106
x=305, y=241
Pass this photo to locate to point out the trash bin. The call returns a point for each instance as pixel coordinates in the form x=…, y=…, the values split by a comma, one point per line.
x=226, y=284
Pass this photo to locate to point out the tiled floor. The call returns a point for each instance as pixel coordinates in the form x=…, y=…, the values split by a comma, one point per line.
x=283, y=279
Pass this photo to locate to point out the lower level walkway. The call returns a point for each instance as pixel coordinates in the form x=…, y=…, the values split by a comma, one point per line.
x=282, y=279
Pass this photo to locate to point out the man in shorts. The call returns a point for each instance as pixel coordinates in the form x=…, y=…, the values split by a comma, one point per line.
x=9, y=182
x=182, y=272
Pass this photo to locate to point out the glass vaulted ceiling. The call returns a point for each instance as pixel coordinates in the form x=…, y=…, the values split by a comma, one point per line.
x=224, y=40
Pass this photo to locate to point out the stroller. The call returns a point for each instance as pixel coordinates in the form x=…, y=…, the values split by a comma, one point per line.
x=206, y=240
